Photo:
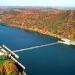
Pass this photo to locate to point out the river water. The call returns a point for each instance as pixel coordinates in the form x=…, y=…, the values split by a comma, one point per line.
x=51, y=60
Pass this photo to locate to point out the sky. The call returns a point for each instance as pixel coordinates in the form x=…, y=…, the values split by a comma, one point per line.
x=49, y=3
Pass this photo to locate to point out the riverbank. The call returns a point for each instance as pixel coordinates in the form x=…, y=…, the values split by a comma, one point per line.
x=37, y=30
x=43, y=31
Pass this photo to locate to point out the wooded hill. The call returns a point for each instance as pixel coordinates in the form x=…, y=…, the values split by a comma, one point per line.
x=51, y=21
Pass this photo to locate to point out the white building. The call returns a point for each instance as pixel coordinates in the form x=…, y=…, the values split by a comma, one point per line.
x=65, y=41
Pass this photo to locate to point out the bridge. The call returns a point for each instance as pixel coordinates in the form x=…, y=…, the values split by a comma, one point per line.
x=20, y=50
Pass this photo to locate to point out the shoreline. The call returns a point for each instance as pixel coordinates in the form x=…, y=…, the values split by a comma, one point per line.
x=40, y=31
x=32, y=30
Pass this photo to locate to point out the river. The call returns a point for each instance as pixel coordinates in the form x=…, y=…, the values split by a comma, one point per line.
x=51, y=60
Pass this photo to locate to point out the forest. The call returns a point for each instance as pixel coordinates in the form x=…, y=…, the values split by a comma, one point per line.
x=54, y=22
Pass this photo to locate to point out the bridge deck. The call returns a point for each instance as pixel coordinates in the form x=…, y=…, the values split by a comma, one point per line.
x=35, y=47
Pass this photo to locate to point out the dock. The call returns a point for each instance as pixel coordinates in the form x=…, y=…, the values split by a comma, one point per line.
x=66, y=41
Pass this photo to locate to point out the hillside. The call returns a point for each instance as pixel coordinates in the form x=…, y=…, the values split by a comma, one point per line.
x=53, y=22
x=8, y=67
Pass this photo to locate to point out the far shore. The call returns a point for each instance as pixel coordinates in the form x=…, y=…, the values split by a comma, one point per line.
x=40, y=31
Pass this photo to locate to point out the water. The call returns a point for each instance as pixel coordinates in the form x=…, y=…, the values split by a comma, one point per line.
x=51, y=60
